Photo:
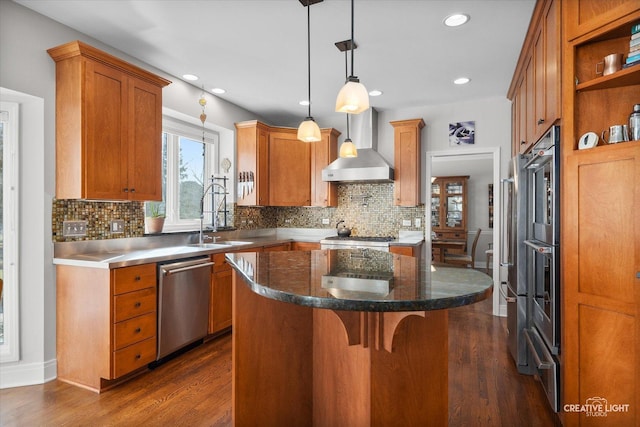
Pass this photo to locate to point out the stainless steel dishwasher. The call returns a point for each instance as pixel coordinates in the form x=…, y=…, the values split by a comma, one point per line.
x=183, y=303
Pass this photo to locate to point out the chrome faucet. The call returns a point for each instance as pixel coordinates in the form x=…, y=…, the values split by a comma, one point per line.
x=209, y=190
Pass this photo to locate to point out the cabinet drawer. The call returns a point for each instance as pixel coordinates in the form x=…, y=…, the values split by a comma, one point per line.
x=132, y=304
x=452, y=235
x=220, y=263
x=128, y=279
x=133, y=357
x=134, y=330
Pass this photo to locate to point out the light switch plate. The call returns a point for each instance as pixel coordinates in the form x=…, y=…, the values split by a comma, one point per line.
x=74, y=228
x=325, y=221
x=406, y=223
x=417, y=222
x=117, y=226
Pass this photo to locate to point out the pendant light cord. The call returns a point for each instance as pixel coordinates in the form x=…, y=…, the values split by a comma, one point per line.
x=346, y=68
x=352, y=39
x=309, y=55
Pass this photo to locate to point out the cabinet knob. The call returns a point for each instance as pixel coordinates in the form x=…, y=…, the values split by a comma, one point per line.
x=133, y=190
x=137, y=304
x=137, y=278
x=137, y=331
x=523, y=142
x=540, y=121
x=138, y=356
x=126, y=190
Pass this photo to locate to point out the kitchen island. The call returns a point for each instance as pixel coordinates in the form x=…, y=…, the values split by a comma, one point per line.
x=343, y=337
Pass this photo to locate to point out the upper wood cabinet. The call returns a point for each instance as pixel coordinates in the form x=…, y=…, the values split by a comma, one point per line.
x=584, y=16
x=407, y=138
x=253, y=163
x=535, y=89
x=324, y=194
x=289, y=169
x=108, y=126
x=277, y=169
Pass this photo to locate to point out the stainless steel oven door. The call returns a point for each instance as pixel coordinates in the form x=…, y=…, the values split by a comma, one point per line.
x=516, y=323
x=546, y=365
x=544, y=280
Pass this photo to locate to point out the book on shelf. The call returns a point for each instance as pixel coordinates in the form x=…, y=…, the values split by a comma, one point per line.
x=635, y=42
x=635, y=36
x=634, y=48
x=633, y=58
x=631, y=64
x=635, y=28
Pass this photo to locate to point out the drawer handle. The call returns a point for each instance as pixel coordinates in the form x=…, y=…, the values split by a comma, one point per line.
x=138, y=356
x=137, y=331
x=137, y=304
x=137, y=278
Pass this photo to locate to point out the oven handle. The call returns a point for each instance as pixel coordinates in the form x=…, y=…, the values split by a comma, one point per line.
x=504, y=246
x=544, y=155
x=539, y=363
x=508, y=299
x=543, y=249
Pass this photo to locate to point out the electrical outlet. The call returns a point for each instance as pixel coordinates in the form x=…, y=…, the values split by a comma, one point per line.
x=417, y=222
x=117, y=226
x=325, y=221
x=287, y=221
x=406, y=223
x=74, y=228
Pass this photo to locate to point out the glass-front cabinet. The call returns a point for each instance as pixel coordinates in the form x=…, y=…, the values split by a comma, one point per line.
x=449, y=207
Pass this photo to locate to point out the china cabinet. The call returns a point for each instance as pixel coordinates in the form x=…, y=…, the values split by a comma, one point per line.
x=600, y=198
x=407, y=140
x=108, y=126
x=449, y=207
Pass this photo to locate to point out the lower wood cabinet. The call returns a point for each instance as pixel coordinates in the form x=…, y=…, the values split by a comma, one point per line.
x=106, y=323
x=414, y=251
x=220, y=299
x=305, y=246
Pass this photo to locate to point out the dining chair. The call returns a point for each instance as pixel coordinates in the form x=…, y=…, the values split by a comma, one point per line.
x=464, y=259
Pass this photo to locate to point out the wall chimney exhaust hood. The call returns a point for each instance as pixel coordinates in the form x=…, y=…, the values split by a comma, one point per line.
x=369, y=166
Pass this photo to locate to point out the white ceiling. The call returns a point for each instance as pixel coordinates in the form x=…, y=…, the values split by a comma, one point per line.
x=256, y=49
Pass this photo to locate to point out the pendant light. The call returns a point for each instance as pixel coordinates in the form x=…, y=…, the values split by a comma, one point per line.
x=348, y=148
x=308, y=131
x=353, y=98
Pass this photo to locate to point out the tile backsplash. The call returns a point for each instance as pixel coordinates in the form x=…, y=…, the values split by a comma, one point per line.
x=366, y=208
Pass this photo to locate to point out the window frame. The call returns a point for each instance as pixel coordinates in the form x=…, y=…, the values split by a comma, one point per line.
x=10, y=348
x=176, y=127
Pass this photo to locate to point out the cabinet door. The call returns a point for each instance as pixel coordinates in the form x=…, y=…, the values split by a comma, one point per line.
x=144, y=179
x=601, y=281
x=323, y=193
x=407, y=162
x=220, y=304
x=552, y=67
x=105, y=144
x=522, y=115
x=529, y=99
x=436, y=222
x=539, y=113
x=289, y=170
x=583, y=16
x=454, y=204
x=253, y=158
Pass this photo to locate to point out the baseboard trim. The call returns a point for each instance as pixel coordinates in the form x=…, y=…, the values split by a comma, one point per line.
x=23, y=374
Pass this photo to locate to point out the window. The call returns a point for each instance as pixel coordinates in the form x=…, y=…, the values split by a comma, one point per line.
x=187, y=165
x=9, y=338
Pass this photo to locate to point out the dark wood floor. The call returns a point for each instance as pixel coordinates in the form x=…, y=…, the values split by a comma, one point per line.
x=195, y=389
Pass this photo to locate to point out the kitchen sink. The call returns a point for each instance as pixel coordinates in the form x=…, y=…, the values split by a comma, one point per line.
x=211, y=245
x=234, y=242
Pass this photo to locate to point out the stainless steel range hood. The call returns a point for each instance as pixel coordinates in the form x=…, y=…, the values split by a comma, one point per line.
x=369, y=166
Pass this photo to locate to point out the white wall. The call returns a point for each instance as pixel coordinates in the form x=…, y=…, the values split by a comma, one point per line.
x=26, y=68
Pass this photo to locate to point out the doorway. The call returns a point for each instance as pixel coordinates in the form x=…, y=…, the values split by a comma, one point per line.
x=484, y=163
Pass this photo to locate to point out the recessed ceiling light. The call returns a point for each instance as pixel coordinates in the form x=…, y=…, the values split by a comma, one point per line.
x=190, y=77
x=462, y=80
x=218, y=90
x=304, y=102
x=375, y=92
x=456, y=20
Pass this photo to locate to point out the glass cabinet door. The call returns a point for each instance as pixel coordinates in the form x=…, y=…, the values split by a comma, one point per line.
x=435, y=211
x=454, y=211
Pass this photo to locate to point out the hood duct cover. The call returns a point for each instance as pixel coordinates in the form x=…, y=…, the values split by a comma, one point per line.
x=369, y=166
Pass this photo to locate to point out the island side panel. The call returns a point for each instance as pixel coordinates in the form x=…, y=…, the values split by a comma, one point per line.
x=409, y=385
x=272, y=360
x=341, y=377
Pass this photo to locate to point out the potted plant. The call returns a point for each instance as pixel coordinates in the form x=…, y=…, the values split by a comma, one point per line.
x=155, y=218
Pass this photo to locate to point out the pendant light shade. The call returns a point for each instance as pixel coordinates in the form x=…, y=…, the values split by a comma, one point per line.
x=308, y=131
x=353, y=98
x=348, y=149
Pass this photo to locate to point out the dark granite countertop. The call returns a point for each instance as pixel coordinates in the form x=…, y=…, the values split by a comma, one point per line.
x=359, y=280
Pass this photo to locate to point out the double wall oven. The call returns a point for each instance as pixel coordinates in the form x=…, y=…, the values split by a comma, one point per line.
x=534, y=264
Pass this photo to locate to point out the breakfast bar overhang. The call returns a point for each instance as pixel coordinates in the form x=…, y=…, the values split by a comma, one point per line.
x=343, y=337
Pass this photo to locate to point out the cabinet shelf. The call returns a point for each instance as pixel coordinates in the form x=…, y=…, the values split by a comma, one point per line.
x=627, y=77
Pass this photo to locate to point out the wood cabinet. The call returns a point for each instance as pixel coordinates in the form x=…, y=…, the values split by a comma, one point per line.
x=414, y=251
x=108, y=126
x=277, y=247
x=289, y=169
x=305, y=246
x=283, y=170
x=449, y=206
x=106, y=323
x=600, y=225
x=407, y=142
x=535, y=88
x=252, y=140
x=220, y=302
x=324, y=194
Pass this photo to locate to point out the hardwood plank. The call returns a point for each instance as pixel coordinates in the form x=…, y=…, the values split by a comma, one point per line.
x=195, y=388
